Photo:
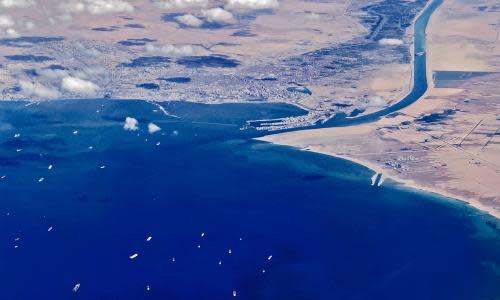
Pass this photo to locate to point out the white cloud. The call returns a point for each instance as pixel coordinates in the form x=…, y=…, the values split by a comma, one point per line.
x=16, y=3
x=376, y=101
x=8, y=26
x=174, y=50
x=96, y=7
x=108, y=6
x=218, y=15
x=152, y=128
x=72, y=7
x=9, y=32
x=252, y=4
x=189, y=20
x=171, y=4
x=75, y=81
x=28, y=25
x=6, y=21
x=88, y=73
x=390, y=42
x=52, y=74
x=91, y=73
x=312, y=16
x=131, y=124
x=79, y=86
x=37, y=90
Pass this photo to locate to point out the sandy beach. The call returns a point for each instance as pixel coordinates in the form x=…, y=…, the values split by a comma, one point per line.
x=447, y=142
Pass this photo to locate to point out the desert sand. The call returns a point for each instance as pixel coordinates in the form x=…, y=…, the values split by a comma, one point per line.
x=448, y=142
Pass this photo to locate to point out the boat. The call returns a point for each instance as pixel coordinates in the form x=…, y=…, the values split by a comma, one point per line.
x=76, y=288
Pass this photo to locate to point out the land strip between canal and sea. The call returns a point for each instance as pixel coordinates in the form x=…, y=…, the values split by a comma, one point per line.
x=448, y=141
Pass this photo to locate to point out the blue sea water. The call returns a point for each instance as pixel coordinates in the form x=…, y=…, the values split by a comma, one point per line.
x=331, y=234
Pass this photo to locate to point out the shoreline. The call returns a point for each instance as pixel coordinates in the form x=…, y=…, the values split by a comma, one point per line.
x=415, y=186
x=416, y=63
x=317, y=146
x=397, y=180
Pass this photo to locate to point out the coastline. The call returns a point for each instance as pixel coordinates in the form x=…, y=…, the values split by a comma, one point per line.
x=419, y=70
x=398, y=180
x=218, y=182
x=432, y=157
x=416, y=152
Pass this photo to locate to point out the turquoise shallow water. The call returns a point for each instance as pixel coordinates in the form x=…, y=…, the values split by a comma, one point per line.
x=331, y=234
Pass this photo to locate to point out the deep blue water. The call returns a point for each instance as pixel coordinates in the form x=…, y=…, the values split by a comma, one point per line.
x=330, y=233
